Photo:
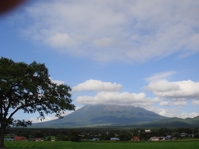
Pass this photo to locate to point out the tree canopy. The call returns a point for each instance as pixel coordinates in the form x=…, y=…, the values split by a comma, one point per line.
x=28, y=87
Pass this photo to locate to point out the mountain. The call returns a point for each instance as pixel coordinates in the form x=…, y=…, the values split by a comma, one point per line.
x=170, y=122
x=104, y=115
x=193, y=121
x=120, y=116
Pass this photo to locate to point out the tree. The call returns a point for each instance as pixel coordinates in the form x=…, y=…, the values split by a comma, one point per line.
x=62, y=137
x=28, y=87
x=74, y=136
x=9, y=5
x=125, y=136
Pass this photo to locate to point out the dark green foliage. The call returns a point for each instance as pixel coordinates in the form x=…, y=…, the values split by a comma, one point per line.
x=62, y=137
x=104, y=134
x=75, y=136
x=48, y=139
x=125, y=136
x=196, y=135
x=27, y=87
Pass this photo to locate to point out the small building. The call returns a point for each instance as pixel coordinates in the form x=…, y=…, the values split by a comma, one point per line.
x=191, y=135
x=157, y=139
x=148, y=131
x=9, y=139
x=135, y=138
x=19, y=138
x=95, y=139
x=115, y=139
x=183, y=134
x=168, y=137
x=38, y=139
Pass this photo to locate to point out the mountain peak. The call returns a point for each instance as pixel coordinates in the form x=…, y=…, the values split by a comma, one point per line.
x=103, y=115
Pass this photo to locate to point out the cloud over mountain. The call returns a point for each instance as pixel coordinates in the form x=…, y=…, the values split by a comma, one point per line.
x=166, y=94
x=97, y=85
x=117, y=98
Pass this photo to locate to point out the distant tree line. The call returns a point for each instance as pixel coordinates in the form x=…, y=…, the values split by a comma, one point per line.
x=79, y=134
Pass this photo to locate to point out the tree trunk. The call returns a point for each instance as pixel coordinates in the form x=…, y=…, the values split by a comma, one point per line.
x=2, y=137
x=2, y=123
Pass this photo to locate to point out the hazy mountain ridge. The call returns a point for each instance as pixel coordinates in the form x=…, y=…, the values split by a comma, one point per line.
x=94, y=115
x=114, y=115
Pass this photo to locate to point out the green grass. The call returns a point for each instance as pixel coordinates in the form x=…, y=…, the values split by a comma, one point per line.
x=101, y=145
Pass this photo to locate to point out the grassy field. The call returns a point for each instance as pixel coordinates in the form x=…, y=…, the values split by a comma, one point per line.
x=101, y=145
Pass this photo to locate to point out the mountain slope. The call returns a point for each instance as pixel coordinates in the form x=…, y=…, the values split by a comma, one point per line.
x=193, y=121
x=170, y=122
x=104, y=115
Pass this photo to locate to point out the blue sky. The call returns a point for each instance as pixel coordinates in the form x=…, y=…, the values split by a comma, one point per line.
x=125, y=52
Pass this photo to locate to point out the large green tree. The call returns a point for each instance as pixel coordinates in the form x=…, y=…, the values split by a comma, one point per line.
x=28, y=87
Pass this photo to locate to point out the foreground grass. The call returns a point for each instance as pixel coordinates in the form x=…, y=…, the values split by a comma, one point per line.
x=101, y=145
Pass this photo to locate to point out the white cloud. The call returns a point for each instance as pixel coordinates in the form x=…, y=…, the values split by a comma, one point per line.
x=50, y=117
x=108, y=93
x=166, y=103
x=60, y=40
x=180, y=103
x=186, y=115
x=174, y=112
x=171, y=103
x=169, y=94
x=47, y=118
x=123, y=98
x=58, y=82
x=103, y=42
x=162, y=86
x=128, y=30
x=97, y=85
x=180, y=90
x=160, y=76
x=195, y=102
x=165, y=112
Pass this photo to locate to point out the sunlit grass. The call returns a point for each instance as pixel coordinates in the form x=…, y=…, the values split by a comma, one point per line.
x=101, y=145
